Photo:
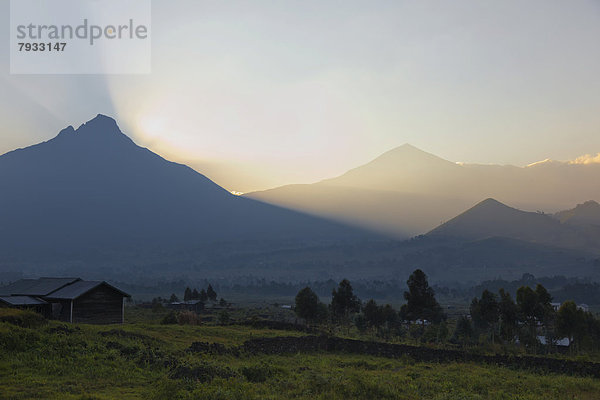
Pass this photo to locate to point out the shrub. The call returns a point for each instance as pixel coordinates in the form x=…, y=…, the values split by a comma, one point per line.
x=224, y=317
x=14, y=339
x=188, y=318
x=22, y=318
x=169, y=319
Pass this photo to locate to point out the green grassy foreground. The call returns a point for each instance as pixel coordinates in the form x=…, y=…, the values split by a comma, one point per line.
x=50, y=360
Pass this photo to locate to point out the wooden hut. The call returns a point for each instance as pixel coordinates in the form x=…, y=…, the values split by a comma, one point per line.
x=68, y=299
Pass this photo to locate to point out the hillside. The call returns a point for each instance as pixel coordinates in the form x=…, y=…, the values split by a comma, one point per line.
x=490, y=218
x=584, y=214
x=94, y=188
x=407, y=191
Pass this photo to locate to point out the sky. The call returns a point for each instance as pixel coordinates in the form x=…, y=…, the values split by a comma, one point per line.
x=265, y=93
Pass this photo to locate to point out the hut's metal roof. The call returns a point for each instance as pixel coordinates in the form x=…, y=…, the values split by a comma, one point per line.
x=22, y=300
x=79, y=288
x=36, y=287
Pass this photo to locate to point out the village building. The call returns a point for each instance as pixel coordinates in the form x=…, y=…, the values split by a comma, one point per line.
x=67, y=299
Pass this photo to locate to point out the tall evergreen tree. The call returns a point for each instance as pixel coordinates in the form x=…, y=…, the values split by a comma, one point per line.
x=203, y=296
x=187, y=295
x=210, y=292
x=307, y=305
x=509, y=316
x=529, y=312
x=485, y=312
x=420, y=300
x=343, y=301
x=570, y=322
x=373, y=313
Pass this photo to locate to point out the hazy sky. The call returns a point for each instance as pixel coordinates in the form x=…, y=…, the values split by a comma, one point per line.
x=260, y=93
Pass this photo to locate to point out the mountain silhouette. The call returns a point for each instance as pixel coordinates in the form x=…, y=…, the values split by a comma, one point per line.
x=404, y=166
x=587, y=213
x=93, y=187
x=491, y=219
x=407, y=191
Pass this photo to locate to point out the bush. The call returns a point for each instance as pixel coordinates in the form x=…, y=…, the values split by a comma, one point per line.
x=188, y=318
x=14, y=339
x=224, y=317
x=22, y=318
x=169, y=319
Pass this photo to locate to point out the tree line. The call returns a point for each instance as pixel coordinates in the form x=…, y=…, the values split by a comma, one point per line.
x=204, y=295
x=531, y=320
x=346, y=307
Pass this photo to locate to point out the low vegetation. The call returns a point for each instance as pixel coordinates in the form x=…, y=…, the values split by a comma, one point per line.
x=349, y=350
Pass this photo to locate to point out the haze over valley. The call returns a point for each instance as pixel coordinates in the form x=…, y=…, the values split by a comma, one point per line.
x=90, y=201
x=407, y=191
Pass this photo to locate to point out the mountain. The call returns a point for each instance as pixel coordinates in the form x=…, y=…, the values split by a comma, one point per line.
x=407, y=191
x=94, y=188
x=390, y=194
x=491, y=219
x=403, y=167
x=587, y=213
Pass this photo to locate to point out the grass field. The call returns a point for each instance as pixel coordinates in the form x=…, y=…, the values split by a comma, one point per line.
x=147, y=360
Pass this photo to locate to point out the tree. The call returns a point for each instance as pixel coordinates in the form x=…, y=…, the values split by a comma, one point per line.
x=485, y=312
x=157, y=304
x=527, y=304
x=343, y=301
x=544, y=312
x=373, y=314
x=322, y=312
x=203, y=296
x=210, y=292
x=195, y=294
x=307, y=304
x=187, y=295
x=174, y=298
x=420, y=300
x=569, y=321
x=509, y=315
x=223, y=302
x=463, y=333
x=389, y=316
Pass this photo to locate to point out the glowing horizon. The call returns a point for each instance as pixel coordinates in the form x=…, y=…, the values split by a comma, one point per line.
x=272, y=93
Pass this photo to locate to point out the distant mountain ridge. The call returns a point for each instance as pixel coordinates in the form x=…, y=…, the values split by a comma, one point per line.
x=490, y=218
x=93, y=187
x=587, y=213
x=407, y=191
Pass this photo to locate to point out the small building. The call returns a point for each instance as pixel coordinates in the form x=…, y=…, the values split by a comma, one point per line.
x=189, y=305
x=67, y=299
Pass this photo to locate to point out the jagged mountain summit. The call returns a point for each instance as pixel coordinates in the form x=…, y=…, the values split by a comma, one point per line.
x=93, y=187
